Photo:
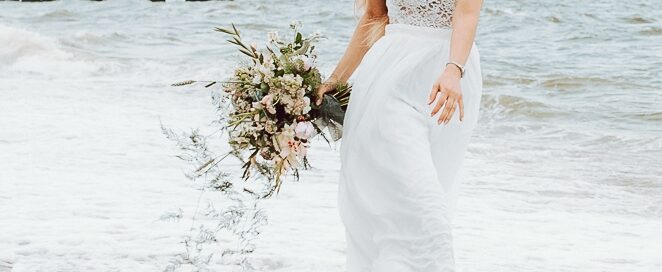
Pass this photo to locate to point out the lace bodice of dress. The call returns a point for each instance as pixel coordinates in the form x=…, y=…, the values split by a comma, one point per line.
x=429, y=13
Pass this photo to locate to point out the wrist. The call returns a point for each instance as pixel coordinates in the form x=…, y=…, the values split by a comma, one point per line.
x=453, y=71
x=333, y=79
x=455, y=66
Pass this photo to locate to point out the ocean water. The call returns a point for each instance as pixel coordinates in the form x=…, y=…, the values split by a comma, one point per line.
x=563, y=172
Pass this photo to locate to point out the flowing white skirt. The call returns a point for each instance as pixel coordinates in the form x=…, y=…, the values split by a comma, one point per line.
x=399, y=168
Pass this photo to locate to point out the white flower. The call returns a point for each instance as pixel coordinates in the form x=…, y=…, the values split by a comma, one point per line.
x=273, y=36
x=295, y=24
x=291, y=82
x=288, y=102
x=308, y=63
x=264, y=70
x=306, y=105
x=305, y=60
x=268, y=62
x=270, y=126
x=304, y=130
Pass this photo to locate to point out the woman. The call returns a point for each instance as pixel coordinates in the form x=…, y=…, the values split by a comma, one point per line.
x=414, y=105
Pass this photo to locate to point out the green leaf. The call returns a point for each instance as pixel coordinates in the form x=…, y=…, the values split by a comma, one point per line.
x=224, y=31
x=298, y=38
x=235, y=42
x=238, y=42
x=271, y=51
x=247, y=53
x=235, y=29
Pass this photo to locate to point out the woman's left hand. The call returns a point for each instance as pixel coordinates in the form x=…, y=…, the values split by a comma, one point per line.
x=447, y=89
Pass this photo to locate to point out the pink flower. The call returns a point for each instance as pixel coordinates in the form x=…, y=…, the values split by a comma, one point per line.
x=289, y=149
x=303, y=149
x=267, y=101
x=304, y=130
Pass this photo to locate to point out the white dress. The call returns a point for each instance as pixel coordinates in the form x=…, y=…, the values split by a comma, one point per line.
x=399, y=169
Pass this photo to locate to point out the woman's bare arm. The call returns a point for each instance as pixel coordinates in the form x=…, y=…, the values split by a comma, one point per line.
x=375, y=11
x=465, y=21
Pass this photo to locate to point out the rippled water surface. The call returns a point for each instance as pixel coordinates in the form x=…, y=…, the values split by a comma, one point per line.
x=563, y=173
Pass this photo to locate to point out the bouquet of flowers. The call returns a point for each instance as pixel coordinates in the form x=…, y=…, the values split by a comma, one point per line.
x=271, y=117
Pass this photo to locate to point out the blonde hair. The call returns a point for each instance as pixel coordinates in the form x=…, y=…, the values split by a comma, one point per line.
x=375, y=24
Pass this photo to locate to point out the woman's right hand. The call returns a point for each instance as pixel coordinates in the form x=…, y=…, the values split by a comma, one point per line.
x=325, y=87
